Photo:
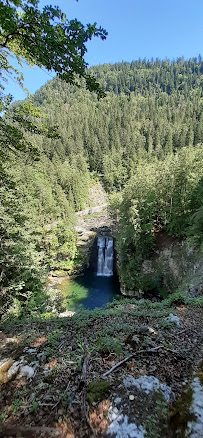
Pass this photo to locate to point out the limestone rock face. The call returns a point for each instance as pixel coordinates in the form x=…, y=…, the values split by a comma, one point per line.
x=121, y=427
x=174, y=262
x=27, y=371
x=90, y=222
x=195, y=427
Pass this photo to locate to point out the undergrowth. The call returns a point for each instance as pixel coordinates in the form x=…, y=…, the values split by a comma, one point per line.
x=115, y=310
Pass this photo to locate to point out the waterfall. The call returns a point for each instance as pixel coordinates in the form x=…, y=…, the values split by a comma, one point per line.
x=105, y=256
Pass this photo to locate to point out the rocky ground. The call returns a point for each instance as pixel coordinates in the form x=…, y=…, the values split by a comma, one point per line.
x=126, y=371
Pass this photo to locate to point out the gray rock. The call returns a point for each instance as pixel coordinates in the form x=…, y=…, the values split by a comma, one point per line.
x=30, y=350
x=41, y=356
x=148, y=384
x=26, y=371
x=119, y=426
x=13, y=371
x=117, y=400
x=174, y=319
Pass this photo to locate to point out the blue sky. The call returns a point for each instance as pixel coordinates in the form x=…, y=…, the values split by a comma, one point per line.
x=137, y=29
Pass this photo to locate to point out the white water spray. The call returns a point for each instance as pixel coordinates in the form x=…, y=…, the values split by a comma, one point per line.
x=105, y=256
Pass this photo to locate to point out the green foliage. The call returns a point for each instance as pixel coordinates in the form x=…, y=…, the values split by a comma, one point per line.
x=36, y=233
x=53, y=337
x=18, y=401
x=33, y=195
x=159, y=197
x=156, y=424
x=46, y=38
x=107, y=344
x=198, y=301
x=52, y=341
x=195, y=229
x=176, y=299
x=61, y=247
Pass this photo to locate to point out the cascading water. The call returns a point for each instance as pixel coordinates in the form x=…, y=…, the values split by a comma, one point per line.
x=98, y=285
x=105, y=256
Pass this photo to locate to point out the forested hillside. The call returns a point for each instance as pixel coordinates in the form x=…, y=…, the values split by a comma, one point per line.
x=144, y=137
x=153, y=108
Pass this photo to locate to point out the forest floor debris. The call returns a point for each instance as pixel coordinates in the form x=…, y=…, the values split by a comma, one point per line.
x=73, y=353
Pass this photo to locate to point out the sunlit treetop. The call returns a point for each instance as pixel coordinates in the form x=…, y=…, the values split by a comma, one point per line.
x=45, y=38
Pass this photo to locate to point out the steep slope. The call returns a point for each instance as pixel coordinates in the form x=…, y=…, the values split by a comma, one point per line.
x=151, y=108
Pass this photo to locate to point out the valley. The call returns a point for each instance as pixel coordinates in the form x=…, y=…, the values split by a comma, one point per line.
x=101, y=255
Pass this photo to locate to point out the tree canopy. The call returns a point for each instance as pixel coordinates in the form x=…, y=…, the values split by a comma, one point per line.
x=47, y=39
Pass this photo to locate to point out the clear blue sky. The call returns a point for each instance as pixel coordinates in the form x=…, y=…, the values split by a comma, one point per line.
x=137, y=28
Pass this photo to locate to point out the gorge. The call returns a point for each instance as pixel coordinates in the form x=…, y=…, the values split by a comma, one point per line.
x=114, y=203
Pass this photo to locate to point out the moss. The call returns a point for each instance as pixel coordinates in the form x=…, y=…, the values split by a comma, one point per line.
x=200, y=372
x=180, y=414
x=96, y=391
x=200, y=376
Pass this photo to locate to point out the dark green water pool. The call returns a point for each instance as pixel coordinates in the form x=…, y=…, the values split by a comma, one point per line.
x=89, y=291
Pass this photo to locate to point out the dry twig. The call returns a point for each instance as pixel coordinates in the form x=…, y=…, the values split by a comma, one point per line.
x=84, y=368
x=151, y=350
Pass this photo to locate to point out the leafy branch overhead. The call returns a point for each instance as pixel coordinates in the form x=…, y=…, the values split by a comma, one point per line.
x=28, y=117
x=47, y=39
